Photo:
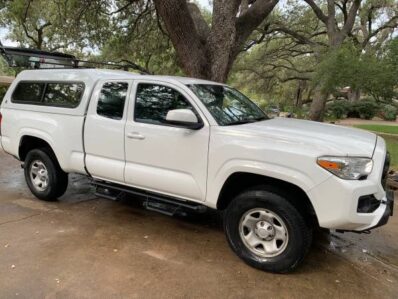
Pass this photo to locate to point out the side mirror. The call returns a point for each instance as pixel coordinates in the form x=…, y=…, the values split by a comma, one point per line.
x=184, y=118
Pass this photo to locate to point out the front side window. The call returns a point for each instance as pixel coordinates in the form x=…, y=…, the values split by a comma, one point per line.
x=154, y=101
x=111, y=100
x=63, y=94
x=227, y=105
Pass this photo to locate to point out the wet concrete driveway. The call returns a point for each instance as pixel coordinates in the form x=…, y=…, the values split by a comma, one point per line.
x=86, y=247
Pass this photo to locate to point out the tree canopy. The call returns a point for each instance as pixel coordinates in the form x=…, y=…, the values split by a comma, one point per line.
x=291, y=53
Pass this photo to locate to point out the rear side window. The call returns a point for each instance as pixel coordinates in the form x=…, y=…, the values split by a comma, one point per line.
x=62, y=94
x=28, y=93
x=111, y=100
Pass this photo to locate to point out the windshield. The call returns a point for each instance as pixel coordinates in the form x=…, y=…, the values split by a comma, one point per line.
x=227, y=105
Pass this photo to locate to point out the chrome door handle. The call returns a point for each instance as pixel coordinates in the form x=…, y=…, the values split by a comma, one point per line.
x=135, y=135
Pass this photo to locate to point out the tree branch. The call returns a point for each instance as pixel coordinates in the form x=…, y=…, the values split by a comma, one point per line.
x=301, y=39
x=392, y=23
x=251, y=19
x=124, y=7
x=347, y=28
x=318, y=12
x=43, y=26
x=159, y=23
x=343, y=8
x=28, y=35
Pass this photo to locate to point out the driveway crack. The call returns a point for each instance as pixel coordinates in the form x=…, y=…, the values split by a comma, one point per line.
x=27, y=217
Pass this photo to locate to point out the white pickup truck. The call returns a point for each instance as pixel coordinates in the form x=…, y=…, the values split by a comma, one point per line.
x=192, y=144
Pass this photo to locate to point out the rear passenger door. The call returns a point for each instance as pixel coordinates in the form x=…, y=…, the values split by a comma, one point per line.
x=104, y=130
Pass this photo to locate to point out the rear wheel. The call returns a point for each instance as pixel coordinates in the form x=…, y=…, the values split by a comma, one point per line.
x=45, y=178
x=266, y=231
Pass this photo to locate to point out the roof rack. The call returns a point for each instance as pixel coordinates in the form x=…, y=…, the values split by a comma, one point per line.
x=38, y=59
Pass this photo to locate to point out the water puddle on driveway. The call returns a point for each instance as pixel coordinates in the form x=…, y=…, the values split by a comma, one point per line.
x=78, y=245
x=373, y=254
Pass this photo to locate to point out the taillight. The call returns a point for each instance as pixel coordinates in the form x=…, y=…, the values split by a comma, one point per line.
x=1, y=117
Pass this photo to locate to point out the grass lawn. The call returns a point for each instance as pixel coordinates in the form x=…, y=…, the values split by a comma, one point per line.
x=389, y=129
x=392, y=141
x=392, y=146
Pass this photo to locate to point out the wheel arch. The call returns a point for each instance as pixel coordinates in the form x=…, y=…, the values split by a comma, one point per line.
x=30, y=142
x=239, y=181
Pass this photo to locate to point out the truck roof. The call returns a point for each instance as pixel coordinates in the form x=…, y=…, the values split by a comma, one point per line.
x=98, y=74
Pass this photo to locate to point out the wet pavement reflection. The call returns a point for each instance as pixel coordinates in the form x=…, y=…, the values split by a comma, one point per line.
x=83, y=247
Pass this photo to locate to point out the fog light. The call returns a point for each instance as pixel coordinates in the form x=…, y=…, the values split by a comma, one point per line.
x=367, y=204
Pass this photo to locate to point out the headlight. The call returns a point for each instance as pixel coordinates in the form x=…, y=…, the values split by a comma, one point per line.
x=348, y=168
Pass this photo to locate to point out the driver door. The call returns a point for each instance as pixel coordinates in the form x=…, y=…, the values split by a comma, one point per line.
x=161, y=157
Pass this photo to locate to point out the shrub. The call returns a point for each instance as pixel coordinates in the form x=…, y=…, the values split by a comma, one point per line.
x=338, y=109
x=366, y=109
x=388, y=112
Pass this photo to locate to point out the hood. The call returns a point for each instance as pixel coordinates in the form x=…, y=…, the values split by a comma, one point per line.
x=327, y=139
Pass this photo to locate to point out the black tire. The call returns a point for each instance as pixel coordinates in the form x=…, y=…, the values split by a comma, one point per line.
x=57, y=178
x=298, y=232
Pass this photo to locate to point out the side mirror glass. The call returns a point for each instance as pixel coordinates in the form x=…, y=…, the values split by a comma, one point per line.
x=184, y=118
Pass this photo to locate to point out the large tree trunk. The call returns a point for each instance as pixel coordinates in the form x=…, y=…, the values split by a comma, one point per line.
x=205, y=52
x=302, y=85
x=354, y=95
x=221, y=39
x=336, y=36
x=318, y=105
x=186, y=40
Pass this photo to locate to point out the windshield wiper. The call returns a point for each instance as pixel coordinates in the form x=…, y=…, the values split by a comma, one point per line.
x=246, y=121
x=261, y=118
x=240, y=122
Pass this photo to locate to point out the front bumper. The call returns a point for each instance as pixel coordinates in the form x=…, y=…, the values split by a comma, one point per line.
x=389, y=211
x=335, y=201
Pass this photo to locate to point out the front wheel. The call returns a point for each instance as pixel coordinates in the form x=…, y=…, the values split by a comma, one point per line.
x=266, y=231
x=45, y=179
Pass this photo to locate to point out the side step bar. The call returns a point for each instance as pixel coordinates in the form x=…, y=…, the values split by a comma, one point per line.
x=155, y=202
